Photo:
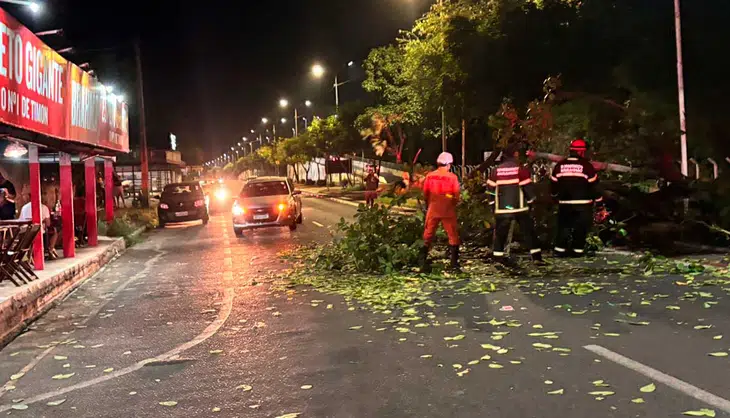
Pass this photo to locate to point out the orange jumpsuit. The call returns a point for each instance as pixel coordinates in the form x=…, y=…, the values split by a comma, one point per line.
x=441, y=191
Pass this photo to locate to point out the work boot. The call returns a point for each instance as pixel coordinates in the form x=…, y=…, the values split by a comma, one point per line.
x=506, y=261
x=454, y=258
x=537, y=259
x=423, y=262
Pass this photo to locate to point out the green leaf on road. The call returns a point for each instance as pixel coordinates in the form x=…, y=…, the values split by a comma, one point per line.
x=600, y=383
x=703, y=326
x=109, y=370
x=541, y=345
x=611, y=334
x=637, y=400
x=704, y=412
x=62, y=376
x=426, y=356
x=601, y=393
x=457, y=366
x=216, y=409
x=306, y=387
x=456, y=338
x=718, y=354
x=56, y=403
x=59, y=358
x=168, y=403
x=491, y=347
x=673, y=308
x=556, y=392
x=215, y=351
x=548, y=382
x=290, y=415
x=244, y=388
x=495, y=366
x=355, y=328
x=473, y=362
x=19, y=406
x=648, y=388
x=17, y=376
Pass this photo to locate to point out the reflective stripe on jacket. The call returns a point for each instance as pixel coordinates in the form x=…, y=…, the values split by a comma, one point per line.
x=511, y=189
x=574, y=182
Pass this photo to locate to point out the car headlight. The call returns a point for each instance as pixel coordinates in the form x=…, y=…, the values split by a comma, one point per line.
x=238, y=210
x=221, y=194
x=164, y=206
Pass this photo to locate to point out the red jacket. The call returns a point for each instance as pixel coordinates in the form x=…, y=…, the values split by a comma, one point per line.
x=441, y=191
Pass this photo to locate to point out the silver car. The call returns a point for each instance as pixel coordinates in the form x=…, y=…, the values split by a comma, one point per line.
x=265, y=202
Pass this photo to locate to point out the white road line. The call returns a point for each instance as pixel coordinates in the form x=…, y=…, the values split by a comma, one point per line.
x=672, y=382
x=207, y=333
x=147, y=266
x=318, y=224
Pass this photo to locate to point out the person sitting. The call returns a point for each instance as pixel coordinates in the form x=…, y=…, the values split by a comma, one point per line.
x=49, y=232
x=7, y=185
x=7, y=206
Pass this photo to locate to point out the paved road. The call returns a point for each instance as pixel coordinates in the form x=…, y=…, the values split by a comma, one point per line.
x=187, y=324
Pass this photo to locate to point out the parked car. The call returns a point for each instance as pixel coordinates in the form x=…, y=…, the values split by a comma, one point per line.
x=182, y=202
x=267, y=202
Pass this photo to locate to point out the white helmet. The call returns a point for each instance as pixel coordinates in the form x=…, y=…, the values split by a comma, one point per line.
x=445, y=158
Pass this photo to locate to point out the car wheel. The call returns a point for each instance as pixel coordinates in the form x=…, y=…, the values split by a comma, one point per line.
x=239, y=232
x=293, y=226
x=161, y=225
x=205, y=221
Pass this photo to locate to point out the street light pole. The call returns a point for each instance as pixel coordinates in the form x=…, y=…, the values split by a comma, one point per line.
x=142, y=129
x=680, y=87
x=337, y=94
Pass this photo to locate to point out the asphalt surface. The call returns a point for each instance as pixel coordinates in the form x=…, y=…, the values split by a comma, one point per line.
x=189, y=324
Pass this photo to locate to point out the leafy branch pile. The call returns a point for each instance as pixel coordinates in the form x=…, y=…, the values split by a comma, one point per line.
x=378, y=241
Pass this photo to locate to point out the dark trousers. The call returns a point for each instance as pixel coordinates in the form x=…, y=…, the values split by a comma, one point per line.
x=501, y=230
x=573, y=221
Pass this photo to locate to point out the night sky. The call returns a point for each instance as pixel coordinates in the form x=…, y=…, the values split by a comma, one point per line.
x=213, y=68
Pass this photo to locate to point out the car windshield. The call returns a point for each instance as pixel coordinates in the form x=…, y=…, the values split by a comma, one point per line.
x=179, y=189
x=269, y=188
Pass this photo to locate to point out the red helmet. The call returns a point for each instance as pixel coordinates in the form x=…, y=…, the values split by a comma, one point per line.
x=578, y=145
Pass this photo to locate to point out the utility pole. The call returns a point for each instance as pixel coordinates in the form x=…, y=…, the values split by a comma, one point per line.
x=463, y=150
x=337, y=94
x=296, y=122
x=142, y=130
x=680, y=86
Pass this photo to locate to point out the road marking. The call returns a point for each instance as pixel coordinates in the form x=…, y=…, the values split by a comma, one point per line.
x=227, y=250
x=147, y=266
x=672, y=382
x=228, y=262
x=318, y=224
x=207, y=333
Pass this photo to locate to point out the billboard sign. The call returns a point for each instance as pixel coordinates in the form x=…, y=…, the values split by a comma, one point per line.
x=41, y=91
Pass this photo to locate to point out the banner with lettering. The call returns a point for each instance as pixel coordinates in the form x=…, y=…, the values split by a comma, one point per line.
x=42, y=92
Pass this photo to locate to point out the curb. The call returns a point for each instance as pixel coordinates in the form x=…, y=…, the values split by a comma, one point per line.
x=26, y=306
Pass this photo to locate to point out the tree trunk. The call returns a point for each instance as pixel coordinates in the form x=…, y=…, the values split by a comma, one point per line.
x=463, y=149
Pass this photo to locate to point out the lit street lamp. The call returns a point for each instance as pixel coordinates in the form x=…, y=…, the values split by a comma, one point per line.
x=284, y=103
x=34, y=7
x=318, y=72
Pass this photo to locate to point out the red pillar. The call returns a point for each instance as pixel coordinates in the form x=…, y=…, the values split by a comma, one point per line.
x=90, y=209
x=67, y=205
x=109, y=187
x=35, y=204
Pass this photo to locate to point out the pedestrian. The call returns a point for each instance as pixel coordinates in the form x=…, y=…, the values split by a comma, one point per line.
x=7, y=185
x=372, y=182
x=575, y=186
x=118, y=191
x=50, y=234
x=511, y=192
x=441, y=193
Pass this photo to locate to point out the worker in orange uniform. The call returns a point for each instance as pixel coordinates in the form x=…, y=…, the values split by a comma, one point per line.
x=441, y=192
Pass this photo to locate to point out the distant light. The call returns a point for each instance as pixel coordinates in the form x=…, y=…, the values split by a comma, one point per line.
x=109, y=89
x=15, y=150
x=350, y=64
x=308, y=103
x=317, y=70
x=283, y=103
x=34, y=7
x=283, y=120
x=233, y=148
x=264, y=121
x=244, y=139
x=173, y=141
x=252, y=131
x=120, y=97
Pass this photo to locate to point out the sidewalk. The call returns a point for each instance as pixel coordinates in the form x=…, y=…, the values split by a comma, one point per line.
x=19, y=306
x=346, y=197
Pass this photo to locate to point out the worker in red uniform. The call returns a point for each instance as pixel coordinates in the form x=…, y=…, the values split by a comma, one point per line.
x=511, y=192
x=574, y=185
x=441, y=192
